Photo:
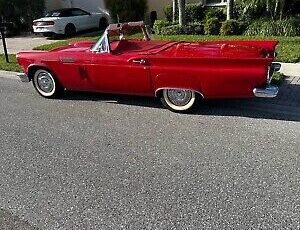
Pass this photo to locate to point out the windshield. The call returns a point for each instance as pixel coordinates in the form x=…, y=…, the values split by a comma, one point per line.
x=53, y=14
x=121, y=32
x=102, y=45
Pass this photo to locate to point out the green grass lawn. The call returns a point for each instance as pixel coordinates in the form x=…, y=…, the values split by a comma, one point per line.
x=288, y=49
x=11, y=66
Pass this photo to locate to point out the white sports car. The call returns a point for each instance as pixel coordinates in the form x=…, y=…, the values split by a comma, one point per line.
x=69, y=21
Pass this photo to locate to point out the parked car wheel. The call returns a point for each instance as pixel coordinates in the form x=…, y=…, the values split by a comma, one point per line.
x=70, y=30
x=48, y=35
x=179, y=100
x=46, y=85
x=103, y=24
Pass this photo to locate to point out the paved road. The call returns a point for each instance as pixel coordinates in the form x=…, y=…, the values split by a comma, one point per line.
x=105, y=162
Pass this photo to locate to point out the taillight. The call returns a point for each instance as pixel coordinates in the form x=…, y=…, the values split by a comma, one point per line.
x=49, y=23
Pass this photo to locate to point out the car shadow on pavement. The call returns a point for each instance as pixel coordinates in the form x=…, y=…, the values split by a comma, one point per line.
x=228, y=107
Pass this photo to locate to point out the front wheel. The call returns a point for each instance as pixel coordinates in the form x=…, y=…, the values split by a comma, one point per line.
x=46, y=85
x=179, y=100
x=70, y=30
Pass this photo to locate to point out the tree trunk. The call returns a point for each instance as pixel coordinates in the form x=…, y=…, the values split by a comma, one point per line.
x=276, y=9
x=282, y=7
x=229, y=9
x=181, y=9
x=174, y=11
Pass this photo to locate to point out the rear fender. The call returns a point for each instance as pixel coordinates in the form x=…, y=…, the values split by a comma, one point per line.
x=168, y=81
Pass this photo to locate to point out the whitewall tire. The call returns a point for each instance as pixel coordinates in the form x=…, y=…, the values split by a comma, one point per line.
x=45, y=84
x=179, y=100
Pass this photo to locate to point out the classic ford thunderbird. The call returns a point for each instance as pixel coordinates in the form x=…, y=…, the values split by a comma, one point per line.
x=179, y=73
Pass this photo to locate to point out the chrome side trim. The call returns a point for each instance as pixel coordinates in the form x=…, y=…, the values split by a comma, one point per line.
x=156, y=91
x=268, y=92
x=23, y=77
x=67, y=60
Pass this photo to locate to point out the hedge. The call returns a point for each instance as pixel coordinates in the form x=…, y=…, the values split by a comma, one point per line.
x=230, y=27
x=212, y=26
x=287, y=27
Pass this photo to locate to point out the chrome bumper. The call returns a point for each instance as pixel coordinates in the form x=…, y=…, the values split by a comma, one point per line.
x=268, y=92
x=23, y=77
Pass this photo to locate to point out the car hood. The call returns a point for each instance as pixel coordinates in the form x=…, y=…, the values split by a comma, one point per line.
x=80, y=46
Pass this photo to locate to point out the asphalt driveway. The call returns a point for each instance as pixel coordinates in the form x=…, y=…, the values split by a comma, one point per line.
x=91, y=161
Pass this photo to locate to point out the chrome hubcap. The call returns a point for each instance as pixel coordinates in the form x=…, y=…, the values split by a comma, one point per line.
x=45, y=82
x=179, y=97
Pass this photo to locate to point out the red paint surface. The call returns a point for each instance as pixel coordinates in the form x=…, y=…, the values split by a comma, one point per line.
x=219, y=69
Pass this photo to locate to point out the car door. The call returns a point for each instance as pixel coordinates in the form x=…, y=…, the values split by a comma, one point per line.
x=74, y=70
x=121, y=74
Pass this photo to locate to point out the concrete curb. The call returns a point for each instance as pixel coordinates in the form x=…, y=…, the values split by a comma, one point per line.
x=8, y=74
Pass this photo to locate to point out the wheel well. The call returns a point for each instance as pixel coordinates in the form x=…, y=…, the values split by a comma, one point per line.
x=103, y=22
x=103, y=19
x=32, y=70
x=71, y=24
x=159, y=93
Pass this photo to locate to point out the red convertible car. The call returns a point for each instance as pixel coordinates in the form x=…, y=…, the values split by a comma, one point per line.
x=179, y=73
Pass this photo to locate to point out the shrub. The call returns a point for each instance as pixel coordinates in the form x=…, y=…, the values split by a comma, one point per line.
x=214, y=13
x=212, y=26
x=194, y=29
x=190, y=29
x=159, y=25
x=287, y=27
x=171, y=30
x=129, y=10
x=194, y=13
x=230, y=27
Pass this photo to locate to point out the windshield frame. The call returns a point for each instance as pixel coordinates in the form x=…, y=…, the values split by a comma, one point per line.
x=120, y=30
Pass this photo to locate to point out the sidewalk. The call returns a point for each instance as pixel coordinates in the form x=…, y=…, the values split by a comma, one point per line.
x=16, y=44
x=290, y=69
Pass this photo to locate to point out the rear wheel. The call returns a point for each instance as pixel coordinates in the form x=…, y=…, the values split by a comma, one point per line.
x=46, y=85
x=103, y=24
x=179, y=100
x=70, y=30
x=48, y=35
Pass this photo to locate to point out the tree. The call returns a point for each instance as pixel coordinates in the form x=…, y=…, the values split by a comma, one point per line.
x=21, y=12
x=230, y=9
x=129, y=10
x=274, y=9
x=181, y=9
x=174, y=10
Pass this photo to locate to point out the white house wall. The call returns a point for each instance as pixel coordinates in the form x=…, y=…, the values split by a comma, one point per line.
x=158, y=6
x=88, y=5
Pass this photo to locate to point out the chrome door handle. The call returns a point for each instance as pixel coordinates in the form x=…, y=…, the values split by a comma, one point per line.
x=139, y=61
